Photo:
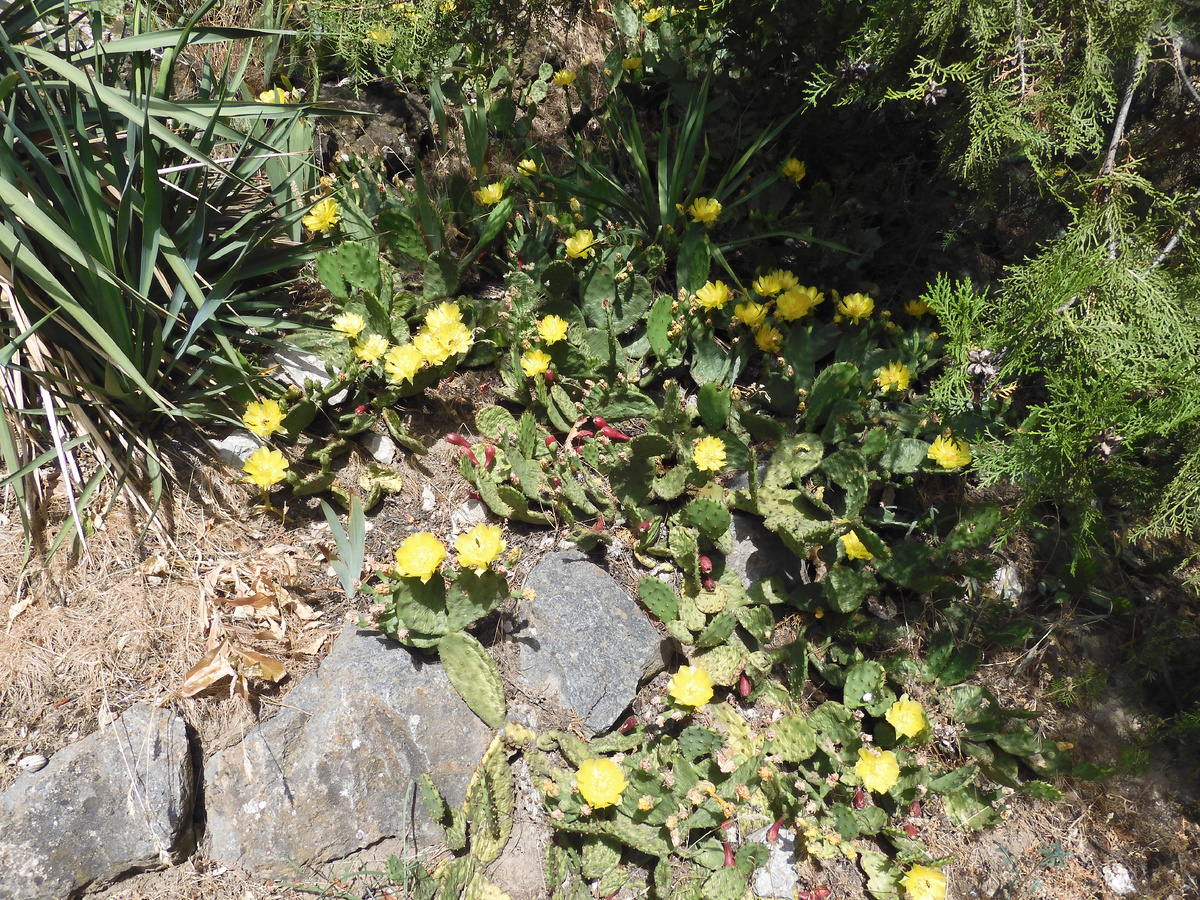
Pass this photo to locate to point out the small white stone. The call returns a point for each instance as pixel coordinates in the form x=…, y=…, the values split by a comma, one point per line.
x=295, y=367
x=33, y=763
x=381, y=447
x=238, y=447
x=1118, y=878
x=428, y=499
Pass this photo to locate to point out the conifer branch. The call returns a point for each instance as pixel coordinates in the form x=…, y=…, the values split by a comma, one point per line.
x=1110, y=160
x=1021, y=50
x=1177, y=43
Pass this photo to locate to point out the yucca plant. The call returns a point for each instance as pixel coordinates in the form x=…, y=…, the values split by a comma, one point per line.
x=139, y=243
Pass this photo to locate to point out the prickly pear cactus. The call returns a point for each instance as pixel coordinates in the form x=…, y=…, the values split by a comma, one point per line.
x=659, y=598
x=697, y=741
x=795, y=740
x=708, y=517
x=489, y=804
x=451, y=821
x=724, y=663
x=727, y=883
x=866, y=688
x=474, y=675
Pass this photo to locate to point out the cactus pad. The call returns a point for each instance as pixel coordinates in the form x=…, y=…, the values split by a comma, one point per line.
x=474, y=675
x=795, y=740
x=660, y=598
x=695, y=742
x=709, y=517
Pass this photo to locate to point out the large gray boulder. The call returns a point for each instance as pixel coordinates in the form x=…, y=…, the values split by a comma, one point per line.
x=334, y=771
x=585, y=644
x=120, y=800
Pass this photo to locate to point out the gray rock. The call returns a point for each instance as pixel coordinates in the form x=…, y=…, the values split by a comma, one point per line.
x=584, y=643
x=238, y=447
x=117, y=801
x=759, y=553
x=295, y=367
x=778, y=878
x=333, y=772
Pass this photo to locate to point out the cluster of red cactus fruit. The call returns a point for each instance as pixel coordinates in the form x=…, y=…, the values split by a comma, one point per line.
x=489, y=451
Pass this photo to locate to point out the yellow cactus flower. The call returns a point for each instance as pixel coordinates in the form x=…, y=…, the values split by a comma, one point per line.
x=653, y=15
x=797, y=302
x=535, y=362
x=350, y=324
x=924, y=883
x=480, y=547
x=917, y=308
x=265, y=467
x=372, y=349
x=750, y=313
x=580, y=244
x=854, y=547
x=402, y=363
x=433, y=350
x=552, y=329
x=323, y=216
x=263, y=418
x=454, y=337
x=705, y=210
x=527, y=167
x=713, y=295
x=768, y=285
x=631, y=63
x=893, y=375
x=691, y=686
x=879, y=770
x=275, y=95
x=445, y=313
x=564, y=78
x=794, y=170
x=601, y=782
x=420, y=556
x=949, y=452
x=769, y=339
x=906, y=716
x=856, y=307
x=490, y=194
x=709, y=454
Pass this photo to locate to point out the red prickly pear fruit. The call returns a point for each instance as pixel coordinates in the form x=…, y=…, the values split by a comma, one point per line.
x=643, y=527
x=613, y=435
x=599, y=421
x=584, y=433
x=708, y=584
x=551, y=441
x=729, y=860
x=458, y=440
x=705, y=565
x=910, y=829
x=860, y=798
x=599, y=526
x=361, y=410
x=744, y=685
x=914, y=809
x=773, y=831
x=489, y=456
x=629, y=724
x=549, y=376
x=556, y=481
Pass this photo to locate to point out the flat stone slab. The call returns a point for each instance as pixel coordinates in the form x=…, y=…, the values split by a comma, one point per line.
x=585, y=644
x=333, y=772
x=120, y=800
